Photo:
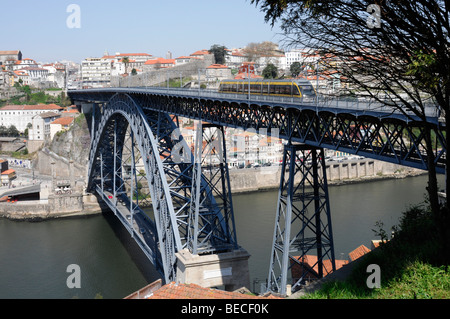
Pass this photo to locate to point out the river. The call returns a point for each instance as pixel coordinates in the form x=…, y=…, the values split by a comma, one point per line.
x=34, y=256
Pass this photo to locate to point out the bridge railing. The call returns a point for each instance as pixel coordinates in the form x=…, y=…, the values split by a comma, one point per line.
x=322, y=101
x=358, y=105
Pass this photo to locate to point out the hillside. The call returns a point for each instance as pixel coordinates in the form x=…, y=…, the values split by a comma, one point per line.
x=73, y=144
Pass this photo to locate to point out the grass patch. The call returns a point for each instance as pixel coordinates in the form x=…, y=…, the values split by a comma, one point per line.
x=413, y=265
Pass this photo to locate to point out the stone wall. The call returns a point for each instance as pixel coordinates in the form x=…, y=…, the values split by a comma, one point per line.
x=253, y=179
x=160, y=76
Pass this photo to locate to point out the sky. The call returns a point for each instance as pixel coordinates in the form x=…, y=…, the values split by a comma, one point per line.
x=50, y=30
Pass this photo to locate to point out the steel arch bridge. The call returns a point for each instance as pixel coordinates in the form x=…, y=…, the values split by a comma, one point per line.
x=144, y=142
x=143, y=169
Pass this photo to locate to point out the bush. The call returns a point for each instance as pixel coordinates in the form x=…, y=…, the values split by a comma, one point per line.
x=412, y=264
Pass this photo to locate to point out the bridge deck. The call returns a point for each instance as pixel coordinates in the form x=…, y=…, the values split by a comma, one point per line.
x=355, y=106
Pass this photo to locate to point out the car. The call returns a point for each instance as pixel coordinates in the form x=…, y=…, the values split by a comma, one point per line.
x=142, y=230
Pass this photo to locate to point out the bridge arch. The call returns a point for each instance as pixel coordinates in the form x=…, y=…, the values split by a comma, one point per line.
x=167, y=164
x=121, y=112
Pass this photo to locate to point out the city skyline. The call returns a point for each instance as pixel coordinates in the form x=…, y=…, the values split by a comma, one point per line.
x=53, y=30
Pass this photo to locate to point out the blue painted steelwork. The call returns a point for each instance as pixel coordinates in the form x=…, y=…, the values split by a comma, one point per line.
x=303, y=221
x=125, y=137
x=179, y=192
x=363, y=128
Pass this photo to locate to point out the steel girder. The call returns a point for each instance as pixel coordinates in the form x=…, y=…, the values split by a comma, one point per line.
x=126, y=135
x=303, y=221
x=206, y=232
x=380, y=135
x=375, y=135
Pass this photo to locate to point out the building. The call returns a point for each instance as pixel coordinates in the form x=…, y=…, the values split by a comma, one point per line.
x=200, y=54
x=95, y=73
x=246, y=70
x=60, y=124
x=279, y=60
x=305, y=57
x=159, y=63
x=22, y=115
x=218, y=72
x=10, y=55
x=21, y=76
x=235, y=57
x=36, y=74
x=40, y=126
x=8, y=176
x=183, y=60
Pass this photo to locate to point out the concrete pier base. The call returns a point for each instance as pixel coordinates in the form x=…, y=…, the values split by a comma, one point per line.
x=229, y=269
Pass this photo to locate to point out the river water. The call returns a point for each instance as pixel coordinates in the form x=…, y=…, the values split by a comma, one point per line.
x=34, y=256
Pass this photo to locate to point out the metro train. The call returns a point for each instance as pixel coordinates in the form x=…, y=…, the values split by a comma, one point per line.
x=284, y=88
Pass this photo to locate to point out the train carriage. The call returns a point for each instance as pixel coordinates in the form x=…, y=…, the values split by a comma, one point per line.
x=285, y=88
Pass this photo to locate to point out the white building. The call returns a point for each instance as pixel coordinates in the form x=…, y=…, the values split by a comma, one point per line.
x=21, y=115
x=235, y=57
x=218, y=72
x=303, y=56
x=25, y=63
x=40, y=126
x=96, y=72
x=279, y=60
x=36, y=74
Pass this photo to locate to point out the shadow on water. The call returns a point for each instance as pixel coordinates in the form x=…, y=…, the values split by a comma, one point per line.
x=141, y=261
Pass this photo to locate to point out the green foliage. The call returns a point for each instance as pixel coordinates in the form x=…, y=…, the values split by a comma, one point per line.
x=219, y=53
x=413, y=264
x=424, y=67
x=295, y=69
x=270, y=71
x=10, y=131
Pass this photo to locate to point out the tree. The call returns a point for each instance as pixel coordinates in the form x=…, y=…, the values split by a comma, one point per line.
x=219, y=53
x=393, y=49
x=256, y=50
x=12, y=131
x=126, y=61
x=295, y=69
x=270, y=71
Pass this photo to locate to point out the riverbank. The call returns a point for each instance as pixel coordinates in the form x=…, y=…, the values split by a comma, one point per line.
x=62, y=206
x=241, y=180
x=338, y=173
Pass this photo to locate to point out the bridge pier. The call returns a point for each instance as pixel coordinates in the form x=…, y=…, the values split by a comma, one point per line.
x=303, y=222
x=229, y=269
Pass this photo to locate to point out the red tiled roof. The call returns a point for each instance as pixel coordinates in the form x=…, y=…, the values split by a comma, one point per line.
x=241, y=76
x=8, y=171
x=31, y=107
x=358, y=252
x=133, y=54
x=310, y=261
x=200, y=52
x=217, y=66
x=193, y=291
x=63, y=121
x=160, y=60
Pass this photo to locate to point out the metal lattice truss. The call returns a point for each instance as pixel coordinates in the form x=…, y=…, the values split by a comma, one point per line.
x=142, y=168
x=303, y=222
x=377, y=135
x=206, y=231
x=380, y=134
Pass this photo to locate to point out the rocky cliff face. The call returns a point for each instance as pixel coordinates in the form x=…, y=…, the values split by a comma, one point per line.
x=73, y=144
